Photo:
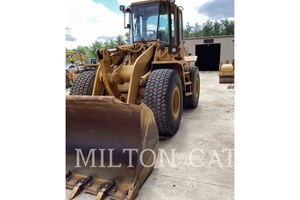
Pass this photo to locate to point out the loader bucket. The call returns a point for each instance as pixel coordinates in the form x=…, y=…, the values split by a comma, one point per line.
x=100, y=130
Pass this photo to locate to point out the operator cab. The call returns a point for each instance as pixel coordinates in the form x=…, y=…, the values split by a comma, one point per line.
x=154, y=20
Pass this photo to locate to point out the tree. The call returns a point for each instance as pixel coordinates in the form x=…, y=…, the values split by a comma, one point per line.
x=119, y=40
x=227, y=27
x=109, y=44
x=217, y=28
x=95, y=46
x=84, y=50
x=112, y=44
x=196, y=30
x=81, y=49
x=188, y=31
x=231, y=28
x=68, y=59
x=207, y=28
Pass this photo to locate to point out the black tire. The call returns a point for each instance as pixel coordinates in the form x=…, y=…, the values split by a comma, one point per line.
x=164, y=97
x=84, y=83
x=67, y=82
x=192, y=100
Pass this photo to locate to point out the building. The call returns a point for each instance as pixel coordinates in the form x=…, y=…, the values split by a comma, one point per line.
x=211, y=51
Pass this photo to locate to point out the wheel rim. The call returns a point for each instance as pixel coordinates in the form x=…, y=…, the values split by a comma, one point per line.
x=196, y=88
x=176, y=102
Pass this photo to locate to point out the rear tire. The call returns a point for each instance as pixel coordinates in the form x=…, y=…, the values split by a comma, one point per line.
x=84, y=83
x=164, y=97
x=192, y=100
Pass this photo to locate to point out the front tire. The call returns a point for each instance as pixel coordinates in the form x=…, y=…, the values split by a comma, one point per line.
x=164, y=97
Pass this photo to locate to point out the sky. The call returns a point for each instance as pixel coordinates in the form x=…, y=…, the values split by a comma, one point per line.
x=91, y=20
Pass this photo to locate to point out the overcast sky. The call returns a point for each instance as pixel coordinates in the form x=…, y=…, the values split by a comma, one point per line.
x=90, y=20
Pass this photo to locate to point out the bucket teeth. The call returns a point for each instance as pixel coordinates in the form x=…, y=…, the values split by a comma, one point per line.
x=79, y=187
x=104, y=189
x=68, y=173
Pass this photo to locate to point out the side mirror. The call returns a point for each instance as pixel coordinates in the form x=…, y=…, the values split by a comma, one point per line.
x=122, y=8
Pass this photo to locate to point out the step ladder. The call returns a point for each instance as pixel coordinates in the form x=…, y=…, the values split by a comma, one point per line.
x=188, y=83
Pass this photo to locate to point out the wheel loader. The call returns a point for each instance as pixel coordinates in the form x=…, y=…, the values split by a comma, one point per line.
x=73, y=72
x=116, y=114
x=226, y=72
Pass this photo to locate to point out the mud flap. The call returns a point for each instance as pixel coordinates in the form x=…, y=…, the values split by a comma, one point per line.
x=111, y=146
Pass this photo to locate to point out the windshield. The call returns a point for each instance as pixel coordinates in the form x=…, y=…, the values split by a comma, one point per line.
x=144, y=22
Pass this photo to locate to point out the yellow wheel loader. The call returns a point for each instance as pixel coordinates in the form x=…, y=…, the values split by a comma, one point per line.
x=73, y=70
x=226, y=72
x=115, y=114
